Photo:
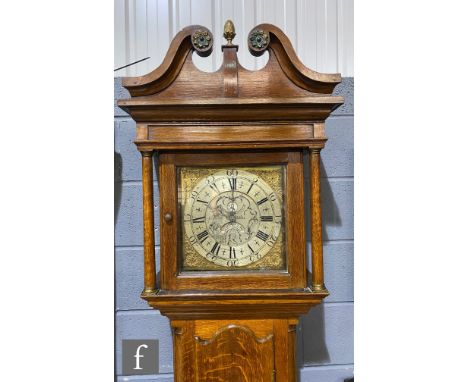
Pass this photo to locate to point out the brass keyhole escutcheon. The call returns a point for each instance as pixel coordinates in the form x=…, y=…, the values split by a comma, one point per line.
x=167, y=217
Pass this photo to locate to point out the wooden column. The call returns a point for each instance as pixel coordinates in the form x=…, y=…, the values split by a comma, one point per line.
x=318, y=283
x=148, y=222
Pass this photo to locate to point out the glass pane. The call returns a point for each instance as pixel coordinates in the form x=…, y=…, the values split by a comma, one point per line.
x=232, y=218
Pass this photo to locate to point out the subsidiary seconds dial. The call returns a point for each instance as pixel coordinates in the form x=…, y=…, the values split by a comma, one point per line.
x=232, y=217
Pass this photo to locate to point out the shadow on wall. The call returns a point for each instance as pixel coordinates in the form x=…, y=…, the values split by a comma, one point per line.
x=312, y=350
x=117, y=184
x=330, y=211
x=117, y=200
x=311, y=343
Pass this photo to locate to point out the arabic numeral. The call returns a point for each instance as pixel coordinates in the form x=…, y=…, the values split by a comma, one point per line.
x=231, y=263
x=232, y=173
x=211, y=256
x=192, y=239
x=194, y=195
x=272, y=196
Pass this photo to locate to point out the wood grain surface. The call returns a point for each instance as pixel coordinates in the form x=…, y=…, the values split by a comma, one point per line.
x=235, y=350
x=318, y=283
x=148, y=222
x=234, y=353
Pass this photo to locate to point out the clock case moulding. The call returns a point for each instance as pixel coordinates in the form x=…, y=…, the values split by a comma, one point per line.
x=179, y=109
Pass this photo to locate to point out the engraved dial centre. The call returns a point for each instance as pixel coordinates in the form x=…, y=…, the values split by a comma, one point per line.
x=232, y=218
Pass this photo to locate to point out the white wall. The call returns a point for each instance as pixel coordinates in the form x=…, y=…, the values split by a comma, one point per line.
x=321, y=31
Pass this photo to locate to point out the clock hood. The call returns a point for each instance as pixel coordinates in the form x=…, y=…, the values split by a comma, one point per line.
x=177, y=91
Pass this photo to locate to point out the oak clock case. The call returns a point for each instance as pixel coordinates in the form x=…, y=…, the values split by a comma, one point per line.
x=230, y=147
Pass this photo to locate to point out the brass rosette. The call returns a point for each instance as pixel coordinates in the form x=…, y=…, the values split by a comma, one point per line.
x=202, y=42
x=258, y=41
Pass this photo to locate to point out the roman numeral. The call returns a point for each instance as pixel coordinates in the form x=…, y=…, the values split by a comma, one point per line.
x=266, y=218
x=251, y=250
x=251, y=185
x=262, y=235
x=233, y=183
x=262, y=201
x=199, y=220
x=202, y=201
x=215, y=188
x=202, y=236
x=232, y=253
x=216, y=248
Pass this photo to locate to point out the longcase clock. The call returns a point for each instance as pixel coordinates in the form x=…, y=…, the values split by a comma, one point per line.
x=230, y=148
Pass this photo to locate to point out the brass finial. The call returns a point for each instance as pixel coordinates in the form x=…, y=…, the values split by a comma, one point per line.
x=229, y=31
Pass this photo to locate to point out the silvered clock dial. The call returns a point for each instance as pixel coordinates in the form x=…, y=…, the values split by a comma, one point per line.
x=232, y=218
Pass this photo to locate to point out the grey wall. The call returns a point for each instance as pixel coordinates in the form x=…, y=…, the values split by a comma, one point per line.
x=325, y=335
